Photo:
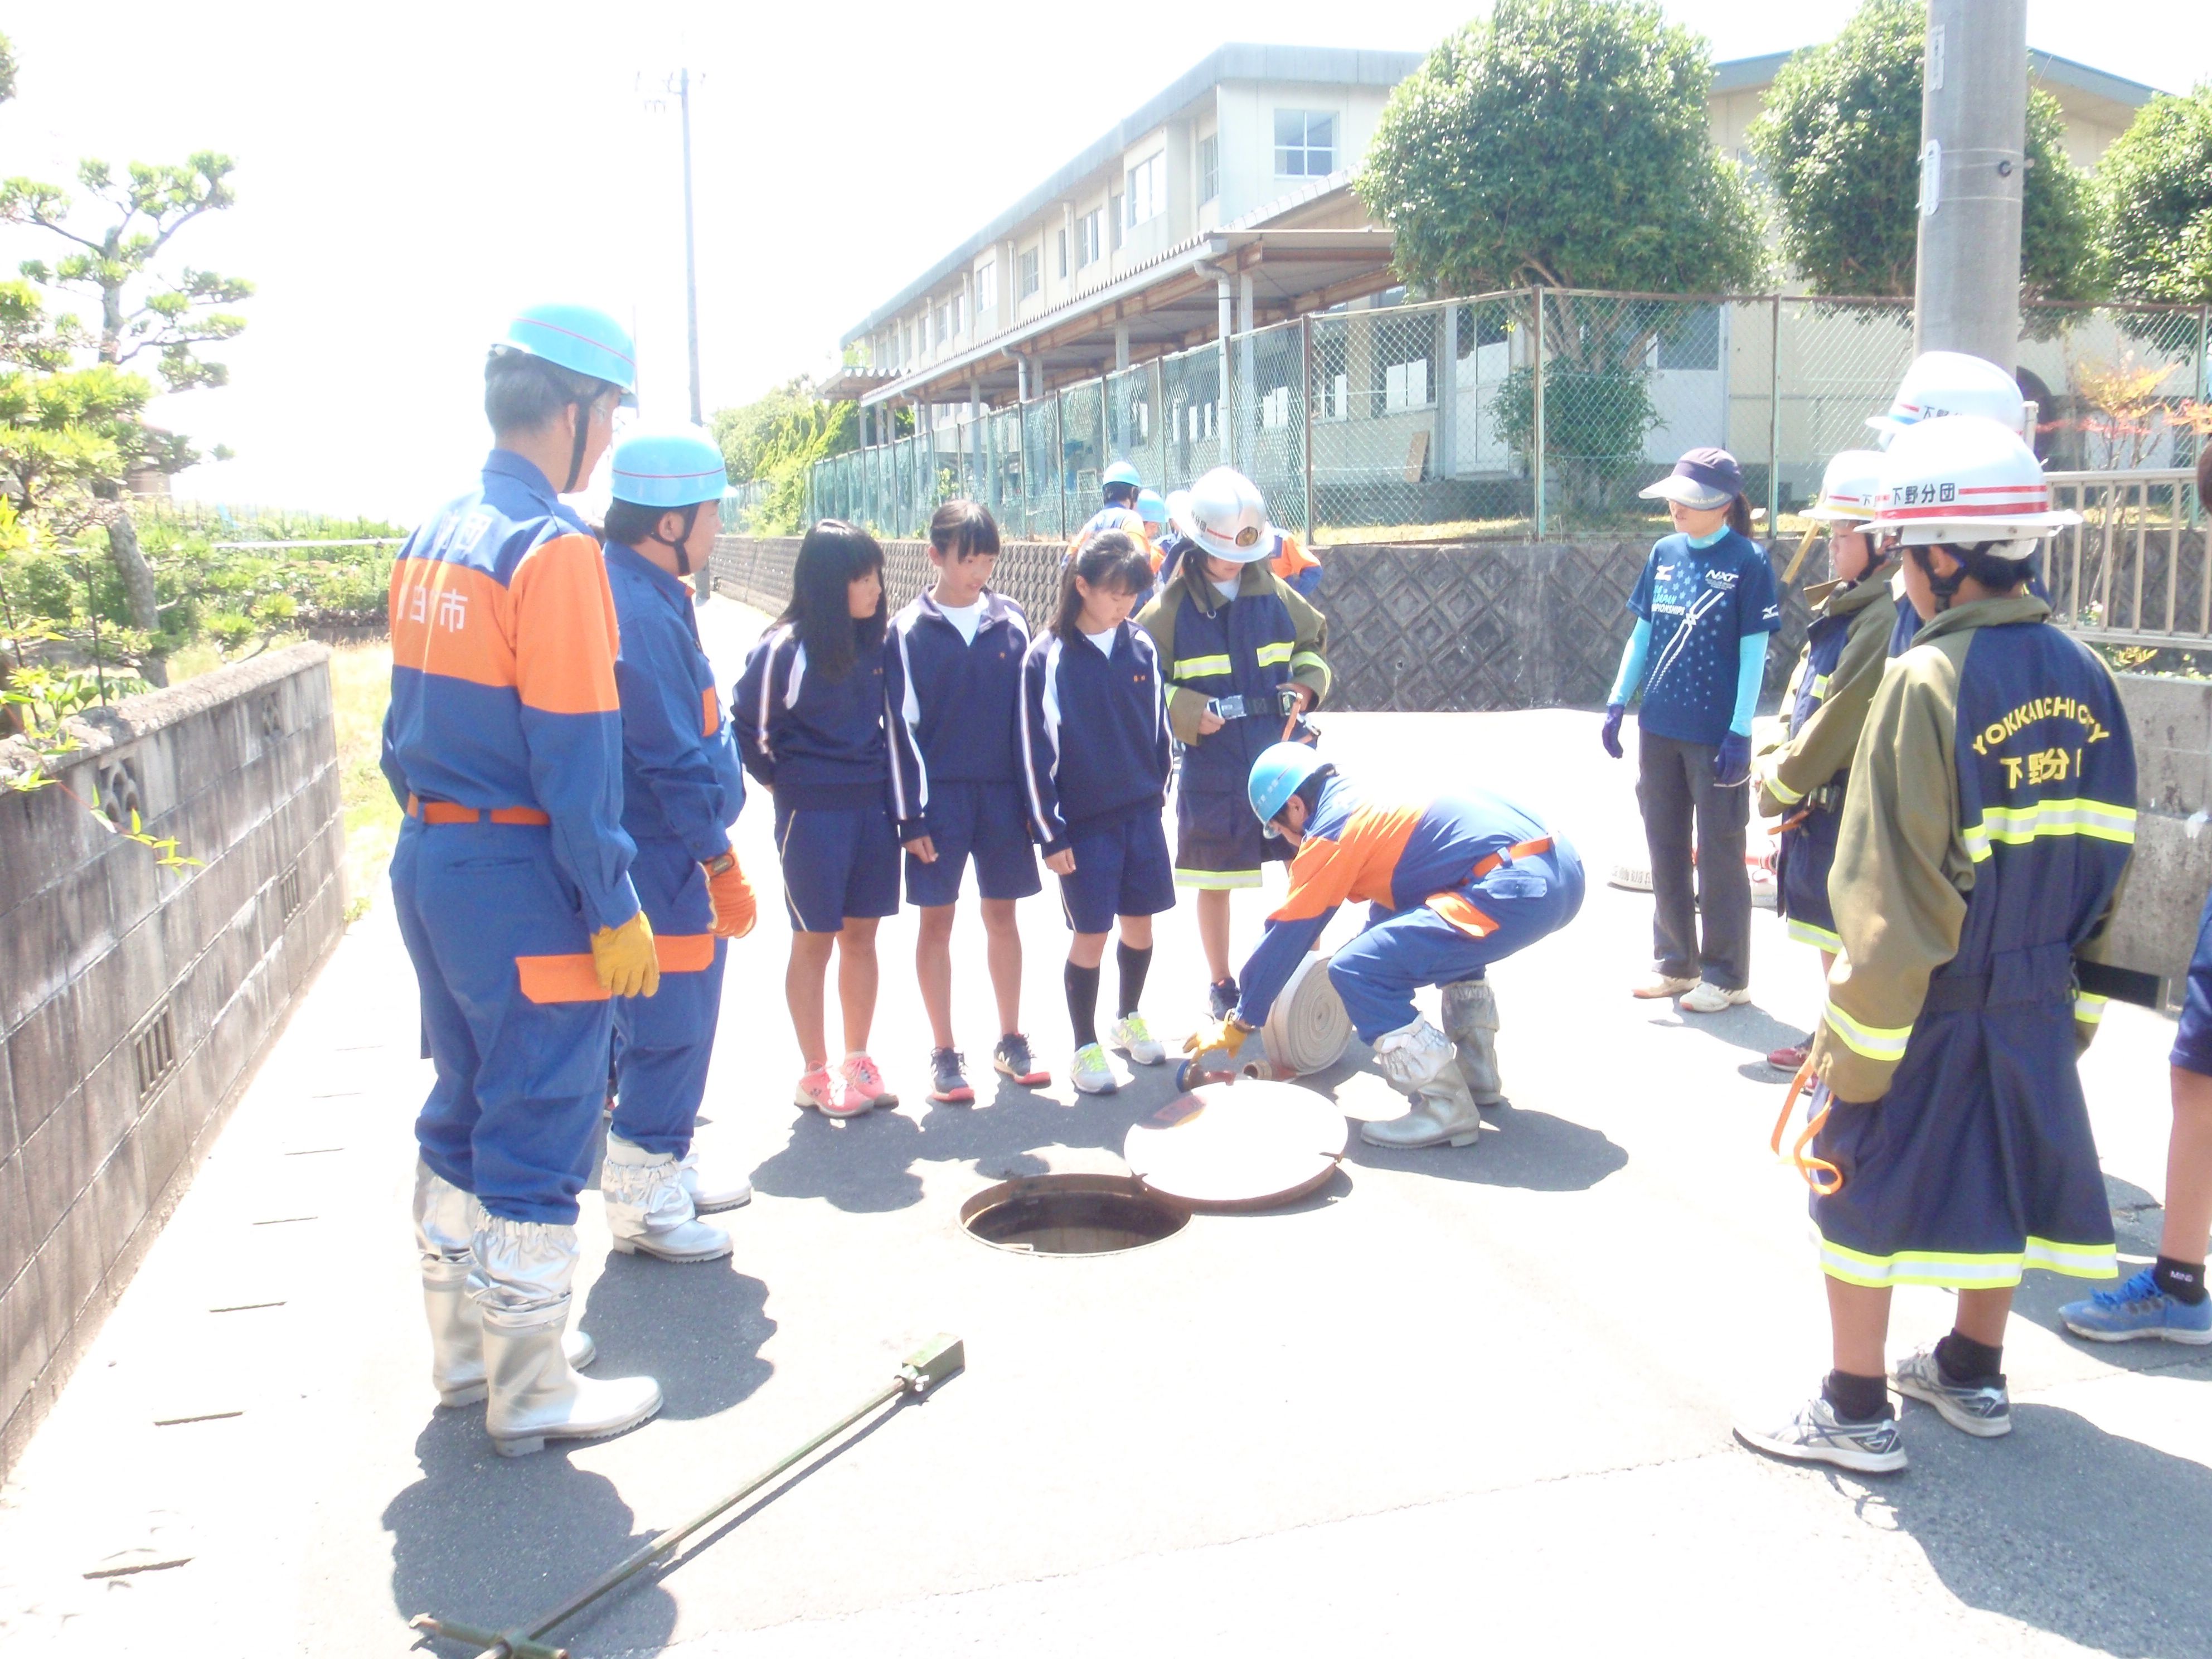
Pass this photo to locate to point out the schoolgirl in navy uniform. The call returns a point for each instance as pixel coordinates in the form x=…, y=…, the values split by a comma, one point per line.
x=1096, y=750
x=809, y=710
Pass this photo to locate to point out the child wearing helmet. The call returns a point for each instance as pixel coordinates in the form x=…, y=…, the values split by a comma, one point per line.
x=810, y=722
x=1801, y=779
x=1705, y=607
x=1457, y=883
x=1152, y=508
x=2166, y=1301
x=1096, y=754
x=682, y=788
x=1246, y=664
x=1989, y=822
x=1123, y=490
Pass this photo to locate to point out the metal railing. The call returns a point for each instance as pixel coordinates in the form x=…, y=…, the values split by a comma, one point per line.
x=1527, y=412
x=2134, y=572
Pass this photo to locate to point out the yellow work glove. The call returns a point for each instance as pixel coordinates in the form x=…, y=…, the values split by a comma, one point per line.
x=625, y=958
x=732, y=896
x=1228, y=1032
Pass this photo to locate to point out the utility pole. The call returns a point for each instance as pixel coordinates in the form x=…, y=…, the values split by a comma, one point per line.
x=1974, y=136
x=679, y=83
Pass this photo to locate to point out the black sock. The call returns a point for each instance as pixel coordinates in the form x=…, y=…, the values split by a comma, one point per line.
x=1856, y=1398
x=1083, y=1003
x=1963, y=1361
x=2182, y=1280
x=1133, y=964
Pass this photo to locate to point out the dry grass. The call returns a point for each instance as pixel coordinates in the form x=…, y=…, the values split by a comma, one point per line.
x=361, y=686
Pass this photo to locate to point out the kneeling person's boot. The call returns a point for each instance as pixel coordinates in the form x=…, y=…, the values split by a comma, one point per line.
x=1470, y=1022
x=446, y=1220
x=1418, y=1059
x=649, y=1208
x=522, y=1284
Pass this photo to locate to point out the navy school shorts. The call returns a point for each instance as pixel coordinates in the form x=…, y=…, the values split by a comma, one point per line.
x=2192, y=1042
x=1219, y=842
x=1120, y=870
x=838, y=861
x=985, y=821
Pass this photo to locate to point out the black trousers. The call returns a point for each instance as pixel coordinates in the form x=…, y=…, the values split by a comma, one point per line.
x=1677, y=792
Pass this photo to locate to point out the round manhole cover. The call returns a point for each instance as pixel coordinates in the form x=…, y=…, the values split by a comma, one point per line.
x=1071, y=1215
x=1238, y=1146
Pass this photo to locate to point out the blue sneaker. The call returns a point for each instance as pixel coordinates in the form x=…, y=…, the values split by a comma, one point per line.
x=2136, y=1310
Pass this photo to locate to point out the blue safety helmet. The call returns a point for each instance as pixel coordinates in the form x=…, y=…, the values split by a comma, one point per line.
x=1122, y=473
x=1276, y=777
x=578, y=337
x=668, y=469
x=1151, y=507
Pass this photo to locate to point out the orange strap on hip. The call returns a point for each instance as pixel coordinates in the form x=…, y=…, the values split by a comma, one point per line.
x=1527, y=849
x=447, y=811
x=1823, y=1176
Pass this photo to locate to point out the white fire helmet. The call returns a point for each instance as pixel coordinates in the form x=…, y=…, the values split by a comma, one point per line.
x=1224, y=514
x=1965, y=479
x=1941, y=383
x=1848, y=487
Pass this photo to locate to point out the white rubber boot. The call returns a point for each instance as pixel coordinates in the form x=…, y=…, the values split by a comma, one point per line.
x=1418, y=1060
x=446, y=1220
x=521, y=1284
x=1471, y=1023
x=649, y=1211
x=709, y=1194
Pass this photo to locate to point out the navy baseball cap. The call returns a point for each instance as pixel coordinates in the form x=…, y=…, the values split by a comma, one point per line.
x=1704, y=479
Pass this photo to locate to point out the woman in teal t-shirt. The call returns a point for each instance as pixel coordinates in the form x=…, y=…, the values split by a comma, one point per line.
x=1705, y=606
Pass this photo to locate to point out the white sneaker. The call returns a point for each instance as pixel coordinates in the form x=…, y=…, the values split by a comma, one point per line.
x=708, y=1195
x=1707, y=998
x=1135, y=1039
x=1813, y=1436
x=1093, y=1074
x=1661, y=985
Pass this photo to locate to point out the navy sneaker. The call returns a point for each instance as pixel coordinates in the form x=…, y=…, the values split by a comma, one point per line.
x=948, y=1084
x=2138, y=1311
x=1221, y=998
x=1013, y=1059
x=1981, y=1409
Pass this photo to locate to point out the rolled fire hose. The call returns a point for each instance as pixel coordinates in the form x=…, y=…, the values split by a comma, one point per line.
x=1308, y=1029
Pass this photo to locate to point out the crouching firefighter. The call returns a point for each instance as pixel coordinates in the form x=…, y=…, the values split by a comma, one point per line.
x=1454, y=883
x=682, y=788
x=511, y=882
x=1989, y=821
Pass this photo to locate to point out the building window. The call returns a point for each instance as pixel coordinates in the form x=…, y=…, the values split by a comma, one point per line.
x=959, y=315
x=1693, y=342
x=1406, y=386
x=1275, y=408
x=1063, y=254
x=1090, y=237
x=1209, y=166
x=1305, y=143
x=1147, y=196
x=1114, y=220
x=944, y=324
x=986, y=287
x=1032, y=278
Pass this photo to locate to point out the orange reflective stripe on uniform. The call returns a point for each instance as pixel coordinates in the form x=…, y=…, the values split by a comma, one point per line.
x=684, y=953
x=1463, y=913
x=710, y=713
x=560, y=978
x=564, y=618
x=1357, y=864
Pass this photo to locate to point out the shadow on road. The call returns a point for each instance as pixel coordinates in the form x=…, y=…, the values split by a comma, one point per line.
x=489, y=1539
x=1530, y=1150
x=2099, y=1539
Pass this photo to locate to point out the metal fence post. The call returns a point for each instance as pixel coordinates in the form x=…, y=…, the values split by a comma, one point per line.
x=1774, y=429
x=1306, y=420
x=2203, y=349
x=1536, y=295
x=1060, y=460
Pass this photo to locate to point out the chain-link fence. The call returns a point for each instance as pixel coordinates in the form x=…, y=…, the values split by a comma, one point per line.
x=1534, y=412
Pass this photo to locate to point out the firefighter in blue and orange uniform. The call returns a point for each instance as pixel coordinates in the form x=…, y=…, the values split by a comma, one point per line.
x=1457, y=881
x=1124, y=490
x=511, y=881
x=1987, y=825
x=682, y=789
x=1246, y=664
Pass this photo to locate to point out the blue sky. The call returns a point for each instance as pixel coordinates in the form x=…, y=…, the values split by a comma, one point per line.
x=405, y=182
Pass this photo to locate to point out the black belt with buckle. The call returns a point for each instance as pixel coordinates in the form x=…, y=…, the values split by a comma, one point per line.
x=1286, y=701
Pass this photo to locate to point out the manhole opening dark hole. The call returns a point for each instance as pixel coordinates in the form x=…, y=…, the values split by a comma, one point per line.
x=1072, y=1215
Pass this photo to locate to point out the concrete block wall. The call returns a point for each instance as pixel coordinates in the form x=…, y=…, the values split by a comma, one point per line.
x=135, y=1001
x=2171, y=721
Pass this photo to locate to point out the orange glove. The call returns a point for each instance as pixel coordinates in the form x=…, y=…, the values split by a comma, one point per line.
x=732, y=896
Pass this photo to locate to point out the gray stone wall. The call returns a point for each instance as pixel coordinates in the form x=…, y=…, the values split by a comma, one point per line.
x=136, y=1000
x=2156, y=925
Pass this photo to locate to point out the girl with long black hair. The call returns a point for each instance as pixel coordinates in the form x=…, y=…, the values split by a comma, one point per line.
x=809, y=713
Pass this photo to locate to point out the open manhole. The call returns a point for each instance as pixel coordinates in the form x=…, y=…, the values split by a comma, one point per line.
x=1072, y=1215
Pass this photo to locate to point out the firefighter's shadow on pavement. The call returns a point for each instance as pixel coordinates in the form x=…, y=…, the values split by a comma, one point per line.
x=489, y=1541
x=2100, y=1540
x=866, y=1165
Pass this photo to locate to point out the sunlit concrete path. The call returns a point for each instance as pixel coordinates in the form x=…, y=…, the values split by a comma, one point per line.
x=1468, y=1401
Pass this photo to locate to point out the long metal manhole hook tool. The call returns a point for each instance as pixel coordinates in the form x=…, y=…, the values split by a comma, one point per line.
x=928, y=1366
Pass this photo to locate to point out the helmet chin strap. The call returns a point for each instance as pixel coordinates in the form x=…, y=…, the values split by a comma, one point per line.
x=576, y=450
x=681, y=545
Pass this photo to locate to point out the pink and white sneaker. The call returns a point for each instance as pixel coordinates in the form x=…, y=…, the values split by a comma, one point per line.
x=829, y=1095
x=864, y=1079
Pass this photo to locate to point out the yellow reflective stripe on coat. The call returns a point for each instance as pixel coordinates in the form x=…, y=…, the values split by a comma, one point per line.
x=2018, y=825
x=1806, y=934
x=1189, y=668
x=1820, y=685
x=1277, y=651
x=1959, y=1271
x=1882, y=1042
x=1782, y=792
x=2088, y=1008
x=1306, y=659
